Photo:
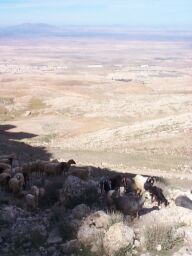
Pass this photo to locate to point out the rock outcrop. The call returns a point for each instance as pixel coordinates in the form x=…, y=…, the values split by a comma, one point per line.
x=118, y=238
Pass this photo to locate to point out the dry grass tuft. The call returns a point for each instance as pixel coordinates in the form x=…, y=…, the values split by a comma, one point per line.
x=163, y=235
x=36, y=103
x=115, y=217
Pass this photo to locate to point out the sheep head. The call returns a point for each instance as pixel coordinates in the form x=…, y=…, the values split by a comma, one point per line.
x=149, y=183
x=71, y=161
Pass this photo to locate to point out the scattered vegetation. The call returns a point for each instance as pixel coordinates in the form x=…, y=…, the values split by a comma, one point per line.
x=36, y=103
x=6, y=100
x=66, y=231
x=163, y=235
x=52, y=194
x=84, y=251
x=3, y=110
x=34, y=239
x=116, y=217
x=47, y=138
x=124, y=251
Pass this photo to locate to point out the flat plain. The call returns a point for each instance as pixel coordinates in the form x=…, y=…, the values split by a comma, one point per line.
x=121, y=104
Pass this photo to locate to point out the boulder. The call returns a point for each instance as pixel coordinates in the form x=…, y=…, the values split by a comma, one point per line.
x=80, y=211
x=9, y=214
x=70, y=246
x=118, y=238
x=184, y=251
x=166, y=216
x=160, y=224
x=184, y=201
x=54, y=237
x=93, y=227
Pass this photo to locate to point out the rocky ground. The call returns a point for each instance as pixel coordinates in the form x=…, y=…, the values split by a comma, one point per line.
x=73, y=219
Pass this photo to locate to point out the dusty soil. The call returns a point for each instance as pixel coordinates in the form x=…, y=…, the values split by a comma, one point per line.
x=119, y=104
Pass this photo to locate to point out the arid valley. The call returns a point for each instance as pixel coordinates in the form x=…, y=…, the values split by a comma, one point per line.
x=121, y=104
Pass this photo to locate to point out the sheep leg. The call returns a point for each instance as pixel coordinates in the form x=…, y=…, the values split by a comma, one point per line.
x=137, y=215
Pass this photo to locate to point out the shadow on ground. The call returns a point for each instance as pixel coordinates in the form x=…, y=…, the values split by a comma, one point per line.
x=11, y=142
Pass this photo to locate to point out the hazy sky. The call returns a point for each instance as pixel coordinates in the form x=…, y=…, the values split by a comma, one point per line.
x=97, y=12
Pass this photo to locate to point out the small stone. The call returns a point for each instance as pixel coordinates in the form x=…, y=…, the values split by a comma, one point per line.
x=159, y=247
x=134, y=252
x=137, y=243
x=27, y=113
x=54, y=237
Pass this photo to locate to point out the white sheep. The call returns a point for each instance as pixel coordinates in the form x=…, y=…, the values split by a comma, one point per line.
x=31, y=201
x=4, y=178
x=20, y=177
x=42, y=192
x=16, y=183
x=4, y=166
x=139, y=182
x=35, y=191
x=32, y=198
x=7, y=171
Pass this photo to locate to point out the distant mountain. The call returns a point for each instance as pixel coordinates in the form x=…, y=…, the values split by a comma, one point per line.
x=39, y=30
x=28, y=29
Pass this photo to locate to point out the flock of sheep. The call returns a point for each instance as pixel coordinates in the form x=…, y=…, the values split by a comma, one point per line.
x=121, y=192
x=128, y=194
x=16, y=178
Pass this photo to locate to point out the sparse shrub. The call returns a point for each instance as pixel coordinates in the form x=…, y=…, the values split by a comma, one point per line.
x=89, y=196
x=161, y=235
x=3, y=110
x=37, y=239
x=99, y=244
x=47, y=138
x=115, y=217
x=52, y=195
x=66, y=231
x=57, y=212
x=6, y=100
x=36, y=103
x=34, y=239
x=59, y=219
x=84, y=251
x=124, y=251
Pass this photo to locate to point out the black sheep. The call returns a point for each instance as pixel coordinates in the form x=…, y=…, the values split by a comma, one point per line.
x=116, y=182
x=129, y=204
x=157, y=194
x=105, y=185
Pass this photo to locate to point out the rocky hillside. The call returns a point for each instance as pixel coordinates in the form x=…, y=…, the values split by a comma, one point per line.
x=71, y=217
